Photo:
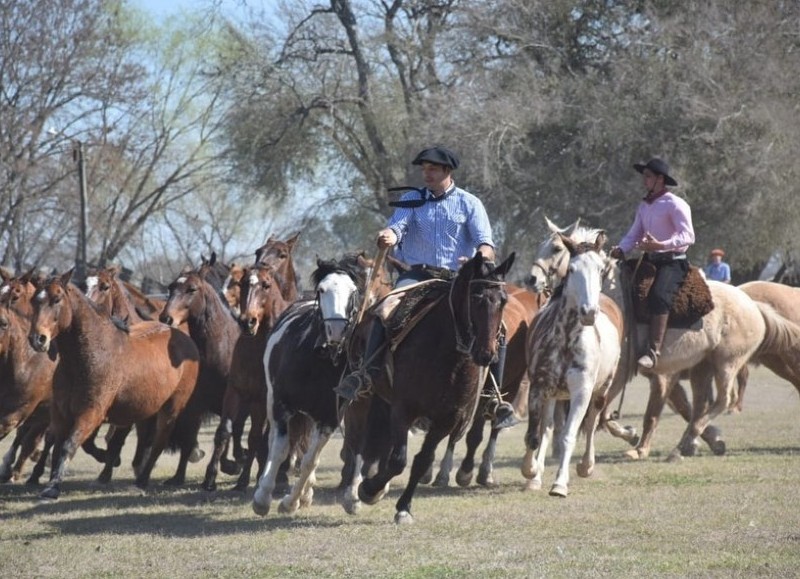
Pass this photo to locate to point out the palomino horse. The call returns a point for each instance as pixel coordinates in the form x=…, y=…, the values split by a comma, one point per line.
x=261, y=304
x=442, y=363
x=573, y=350
x=304, y=360
x=107, y=372
x=783, y=299
x=716, y=347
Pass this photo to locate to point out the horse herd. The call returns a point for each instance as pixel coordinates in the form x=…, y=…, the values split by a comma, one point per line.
x=241, y=344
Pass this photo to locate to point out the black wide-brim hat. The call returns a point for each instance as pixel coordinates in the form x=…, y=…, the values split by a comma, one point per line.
x=437, y=156
x=658, y=166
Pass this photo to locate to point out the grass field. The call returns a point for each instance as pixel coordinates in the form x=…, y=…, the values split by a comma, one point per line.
x=707, y=516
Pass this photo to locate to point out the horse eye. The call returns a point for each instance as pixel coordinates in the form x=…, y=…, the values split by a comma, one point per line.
x=191, y=289
x=105, y=287
x=3, y=323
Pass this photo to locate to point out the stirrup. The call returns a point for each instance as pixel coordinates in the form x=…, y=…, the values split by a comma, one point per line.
x=352, y=385
x=648, y=361
x=504, y=416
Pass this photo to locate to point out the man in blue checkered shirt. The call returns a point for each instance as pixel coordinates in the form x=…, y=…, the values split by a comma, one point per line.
x=440, y=226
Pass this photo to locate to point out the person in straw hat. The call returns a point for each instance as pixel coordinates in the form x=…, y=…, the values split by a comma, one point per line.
x=717, y=269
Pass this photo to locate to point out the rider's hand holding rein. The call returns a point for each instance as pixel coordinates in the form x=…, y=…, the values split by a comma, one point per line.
x=386, y=238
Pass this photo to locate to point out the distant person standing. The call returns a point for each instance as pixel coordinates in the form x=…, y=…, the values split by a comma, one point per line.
x=717, y=269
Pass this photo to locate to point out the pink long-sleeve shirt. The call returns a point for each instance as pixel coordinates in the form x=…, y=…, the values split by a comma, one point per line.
x=668, y=218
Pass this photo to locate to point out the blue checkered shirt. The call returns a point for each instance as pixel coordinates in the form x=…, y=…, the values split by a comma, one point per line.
x=442, y=230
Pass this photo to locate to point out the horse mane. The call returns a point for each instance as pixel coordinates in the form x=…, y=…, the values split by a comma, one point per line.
x=348, y=265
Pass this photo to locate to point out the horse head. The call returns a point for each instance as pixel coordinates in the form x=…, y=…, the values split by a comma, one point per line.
x=231, y=289
x=277, y=254
x=102, y=289
x=52, y=310
x=477, y=298
x=584, y=280
x=186, y=298
x=213, y=271
x=261, y=301
x=339, y=286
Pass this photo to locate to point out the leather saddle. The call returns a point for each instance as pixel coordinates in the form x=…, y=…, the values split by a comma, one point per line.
x=692, y=301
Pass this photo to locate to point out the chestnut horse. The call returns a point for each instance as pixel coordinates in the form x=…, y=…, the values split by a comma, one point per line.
x=277, y=255
x=261, y=304
x=26, y=378
x=442, y=364
x=107, y=372
x=304, y=360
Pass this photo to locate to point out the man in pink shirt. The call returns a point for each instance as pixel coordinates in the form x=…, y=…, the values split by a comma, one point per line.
x=663, y=230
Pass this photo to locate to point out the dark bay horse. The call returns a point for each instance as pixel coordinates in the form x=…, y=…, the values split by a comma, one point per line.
x=261, y=304
x=304, y=360
x=518, y=316
x=441, y=366
x=108, y=372
x=195, y=302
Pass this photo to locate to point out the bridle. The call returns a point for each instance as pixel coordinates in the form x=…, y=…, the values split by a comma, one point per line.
x=464, y=344
x=349, y=322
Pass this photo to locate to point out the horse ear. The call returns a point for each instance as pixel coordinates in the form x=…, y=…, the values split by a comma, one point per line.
x=5, y=274
x=552, y=226
x=66, y=277
x=114, y=270
x=602, y=237
x=213, y=259
x=292, y=240
x=502, y=269
x=574, y=227
x=568, y=243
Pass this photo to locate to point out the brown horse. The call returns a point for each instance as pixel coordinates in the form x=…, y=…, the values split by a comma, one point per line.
x=120, y=299
x=441, y=365
x=518, y=316
x=26, y=378
x=277, y=255
x=107, y=372
x=261, y=304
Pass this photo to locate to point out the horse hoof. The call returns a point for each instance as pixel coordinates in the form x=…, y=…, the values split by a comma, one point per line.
x=209, y=486
x=262, y=510
x=364, y=497
x=403, y=518
x=240, y=488
x=351, y=504
x=584, y=471
x=307, y=499
x=689, y=449
x=5, y=476
x=675, y=456
x=287, y=507
x=50, y=493
x=718, y=447
x=230, y=467
x=426, y=478
x=441, y=481
x=485, y=478
x=533, y=485
x=528, y=471
x=463, y=478
x=559, y=491
x=196, y=455
x=633, y=454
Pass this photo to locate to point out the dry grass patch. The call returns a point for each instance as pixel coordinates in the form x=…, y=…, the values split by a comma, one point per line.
x=731, y=516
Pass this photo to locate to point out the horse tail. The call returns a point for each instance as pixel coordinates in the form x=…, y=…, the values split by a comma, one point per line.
x=782, y=336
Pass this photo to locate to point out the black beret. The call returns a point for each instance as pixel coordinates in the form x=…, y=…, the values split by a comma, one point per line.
x=659, y=167
x=437, y=156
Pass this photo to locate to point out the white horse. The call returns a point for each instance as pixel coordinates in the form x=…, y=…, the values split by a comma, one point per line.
x=573, y=350
x=716, y=347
